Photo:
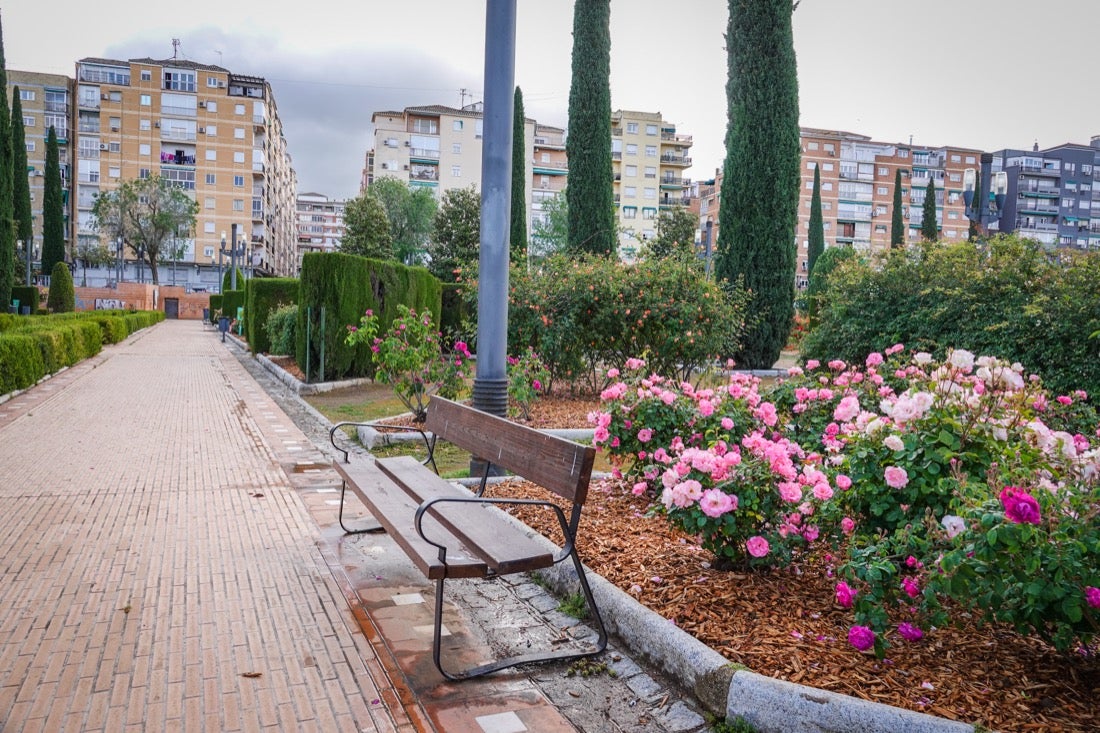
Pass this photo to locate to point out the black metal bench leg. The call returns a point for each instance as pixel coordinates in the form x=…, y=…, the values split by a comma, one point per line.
x=368, y=528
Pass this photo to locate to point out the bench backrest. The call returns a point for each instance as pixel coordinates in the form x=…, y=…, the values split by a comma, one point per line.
x=557, y=464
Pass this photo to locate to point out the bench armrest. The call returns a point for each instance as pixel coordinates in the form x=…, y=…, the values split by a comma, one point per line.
x=429, y=442
x=568, y=529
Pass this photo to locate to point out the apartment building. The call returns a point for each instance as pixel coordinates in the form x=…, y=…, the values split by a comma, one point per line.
x=1052, y=195
x=215, y=134
x=648, y=162
x=320, y=223
x=439, y=147
x=46, y=100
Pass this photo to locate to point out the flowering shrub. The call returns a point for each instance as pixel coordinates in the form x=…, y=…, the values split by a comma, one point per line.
x=528, y=377
x=954, y=483
x=409, y=358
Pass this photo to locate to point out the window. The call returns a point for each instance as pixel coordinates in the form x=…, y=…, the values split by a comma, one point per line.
x=426, y=127
x=28, y=121
x=211, y=154
x=830, y=148
x=208, y=202
x=649, y=212
x=970, y=159
x=143, y=173
x=211, y=179
x=238, y=109
x=632, y=128
x=811, y=146
x=650, y=171
x=650, y=129
x=211, y=130
x=810, y=165
x=114, y=172
x=212, y=81
x=238, y=181
x=952, y=215
x=146, y=75
x=144, y=149
x=211, y=105
x=955, y=177
x=545, y=157
x=630, y=191
x=208, y=252
x=631, y=149
x=457, y=126
x=146, y=100
x=238, y=157
x=456, y=171
x=631, y=171
x=649, y=193
x=27, y=95
x=826, y=205
x=630, y=212
x=114, y=147
x=825, y=186
x=208, y=227
x=238, y=133
x=456, y=148
x=882, y=191
x=179, y=81
x=30, y=146
x=884, y=171
x=952, y=197
x=145, y=125
x=956, y=158
x=651, y=151
x=238, y=204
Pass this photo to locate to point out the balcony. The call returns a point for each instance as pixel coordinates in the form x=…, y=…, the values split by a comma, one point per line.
x=550, y=168
x=177, y=133
x=174, y=159
x=423, y=154
x=88, y=102
x=168, y=109
x=425, y=174
x=667, y=201
x=88, y=153
x=258, y=168
x=89, y=128
x=671, y=137
x=1039, y=192
x=616, y=155
x=1038, y=209
x=59, y=107
x=672, y=182
x=259, y=120
x=89, y=177
x=668, y=159
x=547, y=142
x=1041, y=170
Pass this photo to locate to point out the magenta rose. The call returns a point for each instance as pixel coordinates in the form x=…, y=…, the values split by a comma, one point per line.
x=1020, y=506
x=845, y=594
x=909, y=632
x=1092, y=596
x=861, y=638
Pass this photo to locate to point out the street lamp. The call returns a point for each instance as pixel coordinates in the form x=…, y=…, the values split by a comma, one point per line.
x=30, y=251
x=980, y=192
x=118, y=259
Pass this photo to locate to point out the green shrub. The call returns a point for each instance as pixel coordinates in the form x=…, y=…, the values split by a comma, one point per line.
x=215, y=307
x=27, y=295
x=346, y=286
x=584, y=315
x=231, y=301
x=20, y=362
x=265, y=296
x=1009, y=298
x=61, y=299
x=280, y=327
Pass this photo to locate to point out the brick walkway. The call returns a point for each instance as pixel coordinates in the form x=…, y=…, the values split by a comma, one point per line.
x=160, y=571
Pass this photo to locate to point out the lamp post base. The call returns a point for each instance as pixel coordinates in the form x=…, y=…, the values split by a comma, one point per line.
x=491, y=396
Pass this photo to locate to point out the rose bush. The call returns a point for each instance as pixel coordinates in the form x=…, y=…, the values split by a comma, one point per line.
x=528, y=377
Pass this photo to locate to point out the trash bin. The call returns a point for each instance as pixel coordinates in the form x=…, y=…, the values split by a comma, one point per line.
x=223, y=325
x=206, y=315
x=25, y=310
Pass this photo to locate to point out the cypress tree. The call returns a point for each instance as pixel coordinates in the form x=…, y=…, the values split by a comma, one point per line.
x=589, y=197
x=897, y=220
x=21, y=186
x=974, y=230
x=758, y=212
x=61, y=298
x=7, y=231
x=53, y=211
x=517, y=242
x=817, y=224
x=928, y=228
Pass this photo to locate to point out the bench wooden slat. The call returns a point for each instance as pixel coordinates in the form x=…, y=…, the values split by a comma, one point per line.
x=479, y=527
x=394, y=509
x=557, y=464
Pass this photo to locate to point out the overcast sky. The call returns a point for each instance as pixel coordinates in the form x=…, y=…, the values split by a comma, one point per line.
x=986, y=74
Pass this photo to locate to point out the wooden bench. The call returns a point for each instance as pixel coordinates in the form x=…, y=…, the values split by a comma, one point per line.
x=450, y=532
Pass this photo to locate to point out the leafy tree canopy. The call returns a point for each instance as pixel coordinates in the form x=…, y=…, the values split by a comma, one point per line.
x=367, y=227
x=456, y=238
x=411, y=212
x=676, y=229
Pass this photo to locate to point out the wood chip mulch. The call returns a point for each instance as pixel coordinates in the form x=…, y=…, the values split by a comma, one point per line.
x=784, y=623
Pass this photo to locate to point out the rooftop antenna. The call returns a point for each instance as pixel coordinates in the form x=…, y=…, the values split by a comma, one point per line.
x=175, y=47
x=462, y=98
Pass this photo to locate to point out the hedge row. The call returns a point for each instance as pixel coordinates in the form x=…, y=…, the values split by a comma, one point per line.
x=346, y=286
x=264, y=297
x=27, y=295
x=33, y=346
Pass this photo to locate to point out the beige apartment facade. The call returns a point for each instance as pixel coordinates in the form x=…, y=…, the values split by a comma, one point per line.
x=215, y=134
x=649, y=159
x=320, y=223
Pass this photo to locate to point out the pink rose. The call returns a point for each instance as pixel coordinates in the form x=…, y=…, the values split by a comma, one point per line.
x=1020, y=506
x=727, y=423
x=1092, y=596
x=757, y=546
x=896, y=477
x=645, y=435
x=847, y=525
x=910, y=586
x=845, y=594
x=909, y=632
x=874, y=359
x=639, y=488
x=716, y=502
x=843, y=482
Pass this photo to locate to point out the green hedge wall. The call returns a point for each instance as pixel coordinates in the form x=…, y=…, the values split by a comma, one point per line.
x=215, y=307
x=265, y=296
x=231, y=300
x=346, y=286
x=35, y=346
x=26, y=295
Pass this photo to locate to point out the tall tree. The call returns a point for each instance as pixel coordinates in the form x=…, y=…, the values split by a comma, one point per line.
x=760, y=191
x=929, y=229
x=590, y=198
x=456, y=238
x=7, y=231
x=897, y=216
x=367, y=227
x=21, y=185
x=53, y=208
x=410, y=211
x=817, y=225
x=517, y=242
x=676, y=229
x=974, y=230
x=150, y=214
x=550, y=233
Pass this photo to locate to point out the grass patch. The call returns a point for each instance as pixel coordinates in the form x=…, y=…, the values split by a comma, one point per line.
x=586, y=667
x=452, y=462
x=574, y=605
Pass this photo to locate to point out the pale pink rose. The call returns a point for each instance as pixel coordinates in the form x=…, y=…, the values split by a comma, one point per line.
x=893, y=442
x=716, y=502
x=790, y=491
x=639, y=488
x=823, y=492
x=847, y=409
x=727, y=423
x=645, y=435
x=847, y=525
x=812, y=364
x=874, y=359
x=896, y=477
x=843, y=482
x=954, y=525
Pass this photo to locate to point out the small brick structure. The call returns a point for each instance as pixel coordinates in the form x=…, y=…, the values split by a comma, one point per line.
x=144, y=296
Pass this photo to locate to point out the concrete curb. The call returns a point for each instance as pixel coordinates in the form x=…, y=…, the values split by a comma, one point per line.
x=721, y=687
x=299, y=386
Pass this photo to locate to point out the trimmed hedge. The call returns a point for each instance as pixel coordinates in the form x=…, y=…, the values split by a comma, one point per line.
x=231, y=300
x=215, y=307
x=265, y=296
x=346, y=286
x=35, y=346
